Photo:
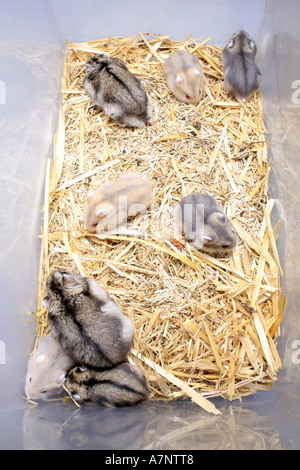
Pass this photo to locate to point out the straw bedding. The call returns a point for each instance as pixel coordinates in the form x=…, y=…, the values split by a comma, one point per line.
x=205, y=325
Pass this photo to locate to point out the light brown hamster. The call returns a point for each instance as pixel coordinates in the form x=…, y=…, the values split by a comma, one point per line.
x=122, y=385
x=184, y=76
x=200, y=219
x=111, y=205
x=88, y=324
x=119, y=93
x=242, y=77
x=47, y=369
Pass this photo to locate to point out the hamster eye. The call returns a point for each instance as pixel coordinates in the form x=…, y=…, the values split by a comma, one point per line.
x=30, y=379
x=44, y=391
x=187, y=97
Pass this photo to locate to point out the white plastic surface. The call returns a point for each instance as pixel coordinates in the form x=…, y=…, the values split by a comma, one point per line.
x=32, y=35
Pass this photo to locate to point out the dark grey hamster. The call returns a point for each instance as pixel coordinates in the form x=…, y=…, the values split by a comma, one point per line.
x=89, y=325
x=122, y=385
x=200, y=219
x=242, y=77
x=118, y=92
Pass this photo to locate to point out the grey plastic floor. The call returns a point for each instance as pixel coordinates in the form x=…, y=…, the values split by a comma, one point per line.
x=32, y=35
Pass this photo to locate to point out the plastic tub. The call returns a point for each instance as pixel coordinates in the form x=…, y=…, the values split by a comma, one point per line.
x=32, y=36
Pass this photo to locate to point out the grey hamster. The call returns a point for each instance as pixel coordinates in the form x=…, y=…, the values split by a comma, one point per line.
x=86, y=321
x=114, y=202
x=184, y=76
x=122, y=385
x=119, y=93
x=47, y=369
x=242, y=77
x=200, y=219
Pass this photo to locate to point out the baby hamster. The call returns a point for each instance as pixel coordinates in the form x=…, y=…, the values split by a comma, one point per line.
x=114, y=202
x=119, y=93
x=242, y=77
x=184, y=76
x=86, y=321
x=47, y=369
x=122, y=385
x=199, y=218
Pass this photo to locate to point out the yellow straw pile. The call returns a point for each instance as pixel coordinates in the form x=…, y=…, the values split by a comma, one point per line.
x=204, y=326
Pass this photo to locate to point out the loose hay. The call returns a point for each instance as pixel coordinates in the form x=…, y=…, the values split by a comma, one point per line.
x=204, y=326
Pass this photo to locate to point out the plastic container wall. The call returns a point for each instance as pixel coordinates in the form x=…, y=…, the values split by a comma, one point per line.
x=32, y=36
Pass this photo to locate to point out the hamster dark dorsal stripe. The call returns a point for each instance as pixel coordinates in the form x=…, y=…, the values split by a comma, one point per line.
x=119, y=385
x=123, y=84
x=97, y=348
x=243, y=89
x=139, y=378
x=88, y=342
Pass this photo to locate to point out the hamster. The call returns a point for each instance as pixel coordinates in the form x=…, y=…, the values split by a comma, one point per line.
x=119, y=93
x=184, y=76
x=242, y=77
x=88, y=324
x=122, y=385
x=47, y=369
x=199, y=218
x=113, y=203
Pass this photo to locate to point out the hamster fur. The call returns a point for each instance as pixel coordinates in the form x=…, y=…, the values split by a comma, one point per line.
x=119, y=93
x=199, y=218
x=122, y=385
x=113, y=203
x=47, y=369
x=242, y=77
x=86, y=321
x=184, y=76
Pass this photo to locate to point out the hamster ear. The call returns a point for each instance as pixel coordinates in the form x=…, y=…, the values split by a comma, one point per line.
x=220, y=216
x=178, y=79
x=251, y=44
x=231, y=42
x=61, y=379
x=76, y=396
x=103, y=55
x=101, y=214
x=69, y=280
x=88, y=67
x=48, y=303
x=196, y=72
x=207, y=238
x=40, y=358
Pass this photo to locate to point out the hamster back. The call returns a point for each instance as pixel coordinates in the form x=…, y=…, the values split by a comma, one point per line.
x=184, y=76
x=111, y=205
x=199, y=218
x=122, y=385
x=87, y=322
x=242, y=77
x=117, y=91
